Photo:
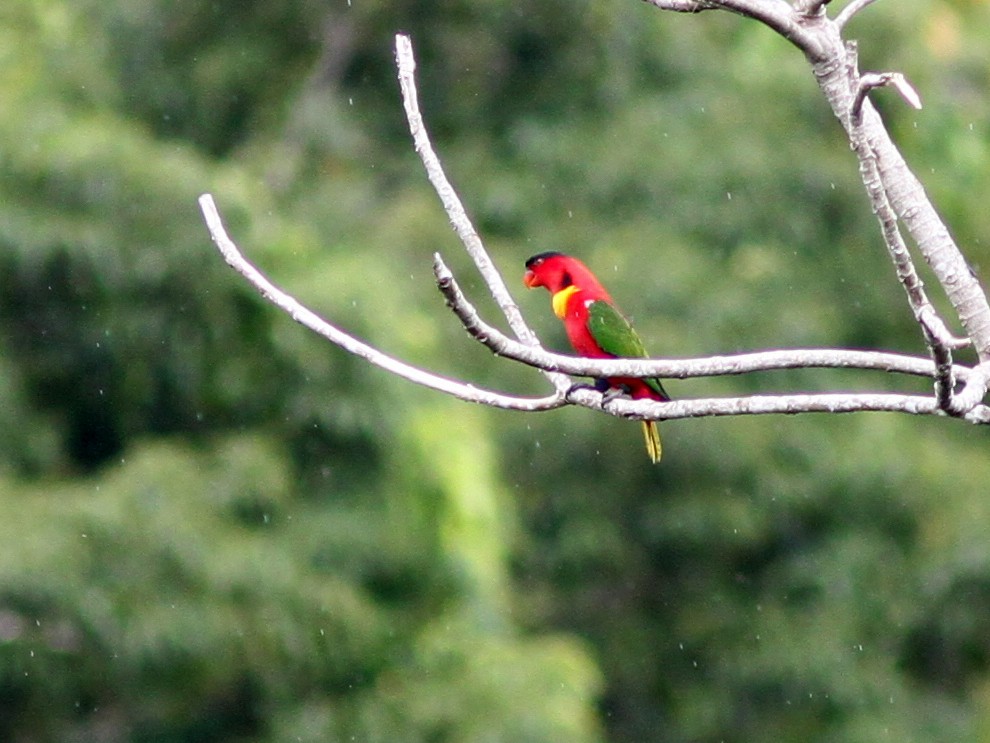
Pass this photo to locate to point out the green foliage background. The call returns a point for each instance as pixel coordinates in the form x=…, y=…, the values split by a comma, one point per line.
x=217, y=528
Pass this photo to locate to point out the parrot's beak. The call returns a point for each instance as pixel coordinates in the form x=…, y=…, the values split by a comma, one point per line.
x=529, y=279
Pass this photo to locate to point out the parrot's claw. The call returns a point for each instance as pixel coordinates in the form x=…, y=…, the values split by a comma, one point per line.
x=600, y=385
x=577, y=388
x=611, y=394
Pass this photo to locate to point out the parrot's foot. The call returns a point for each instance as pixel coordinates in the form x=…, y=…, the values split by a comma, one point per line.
x=611, y=394
x=600, y=385
x=577, y=388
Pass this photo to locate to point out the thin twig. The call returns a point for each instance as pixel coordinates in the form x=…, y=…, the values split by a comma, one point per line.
x=937, y=337
x=846, y=14
x=448, y=196
x=452, y=203
x=306, y=317
x=941, y=343
x=871, y=80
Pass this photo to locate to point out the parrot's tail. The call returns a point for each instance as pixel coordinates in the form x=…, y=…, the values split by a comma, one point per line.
x=651, y=432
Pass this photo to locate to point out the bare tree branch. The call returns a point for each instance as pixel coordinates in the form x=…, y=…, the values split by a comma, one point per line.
x=941, y=343
x=745, y=363
x=894, y=193
x=939, y=340
x=756, y=405
x=777, y=14
x=684, y=6
x=810, y=8
x=885, y=171
x=456, y=212
x=835, y=67
x=966, y=403
x=835, y=402
x=306, y=317
x=774, y=16
x=451, y=201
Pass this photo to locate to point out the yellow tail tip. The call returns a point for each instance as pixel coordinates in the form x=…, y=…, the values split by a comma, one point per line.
x=651, y=432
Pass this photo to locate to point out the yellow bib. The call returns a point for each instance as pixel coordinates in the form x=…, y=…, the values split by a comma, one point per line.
x=559, y=300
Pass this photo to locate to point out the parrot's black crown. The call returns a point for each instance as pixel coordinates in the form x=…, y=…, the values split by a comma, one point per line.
x=540, y=257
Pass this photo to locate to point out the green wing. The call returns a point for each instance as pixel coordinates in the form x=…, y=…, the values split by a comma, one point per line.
x=613, y=333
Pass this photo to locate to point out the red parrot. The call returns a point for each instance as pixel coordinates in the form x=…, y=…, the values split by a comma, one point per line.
x=595, y=327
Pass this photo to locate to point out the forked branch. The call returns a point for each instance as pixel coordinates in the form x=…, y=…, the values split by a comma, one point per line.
x=536, y=356
x=805, y=24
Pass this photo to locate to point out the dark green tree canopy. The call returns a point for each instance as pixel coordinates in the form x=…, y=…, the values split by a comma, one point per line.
x=218, y=527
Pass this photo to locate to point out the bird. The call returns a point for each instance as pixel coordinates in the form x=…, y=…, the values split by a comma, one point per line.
x=596, y=328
